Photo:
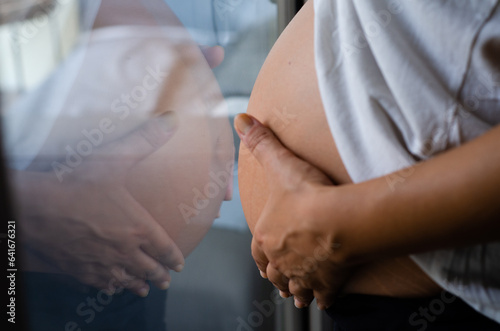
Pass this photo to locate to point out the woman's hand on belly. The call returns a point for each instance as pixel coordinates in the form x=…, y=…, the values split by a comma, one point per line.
x=294, y=234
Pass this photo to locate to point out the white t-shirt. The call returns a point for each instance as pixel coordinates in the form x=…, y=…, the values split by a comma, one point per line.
x=402, y=81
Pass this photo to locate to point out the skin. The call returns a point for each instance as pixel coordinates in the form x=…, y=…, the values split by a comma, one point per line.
x=131, y=12
x=82, y=239
x=301, y=206
x=115, y=220
x=436, y=209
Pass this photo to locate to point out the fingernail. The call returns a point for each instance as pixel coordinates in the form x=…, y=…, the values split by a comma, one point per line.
x=143, y=292
x=299, y=304
x=321, y=306
x=243, y=123
x=263, y=274
x=179, y=268
x=168, y=121
x=165, y=285
x=284, y=295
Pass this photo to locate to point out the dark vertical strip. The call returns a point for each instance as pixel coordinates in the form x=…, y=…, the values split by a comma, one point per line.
x=299, y=4
x=13, y=300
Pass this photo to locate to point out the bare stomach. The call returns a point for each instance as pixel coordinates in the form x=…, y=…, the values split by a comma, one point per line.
x=286, y=98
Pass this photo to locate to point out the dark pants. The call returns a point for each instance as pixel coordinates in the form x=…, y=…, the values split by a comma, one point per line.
x=442, y=312
x=57, y=302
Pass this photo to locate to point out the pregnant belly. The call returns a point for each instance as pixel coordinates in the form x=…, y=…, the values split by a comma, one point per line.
x=286, y=98
x=184, y=183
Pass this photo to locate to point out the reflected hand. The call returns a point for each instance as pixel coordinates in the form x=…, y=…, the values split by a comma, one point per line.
x=293, y=243
x=214, y=55
x=89, y=226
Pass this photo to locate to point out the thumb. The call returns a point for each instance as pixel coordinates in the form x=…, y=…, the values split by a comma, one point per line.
x=260, y=258
x=262, y=143
x=214, y=55
x=145, y=140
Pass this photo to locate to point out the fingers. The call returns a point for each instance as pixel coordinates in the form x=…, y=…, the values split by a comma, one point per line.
x=279, y=280
x=144, y=141
x=324, y=299
x=261, y=142
x=260, y=258
x=302, y=296
x=163, y=249
x=149, y=269
x=153, y=239
x=136, y=285
x=134, y=273
x=214, y=55
x=118, y=280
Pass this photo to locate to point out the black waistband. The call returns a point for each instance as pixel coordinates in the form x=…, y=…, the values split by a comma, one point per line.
x=444, y=311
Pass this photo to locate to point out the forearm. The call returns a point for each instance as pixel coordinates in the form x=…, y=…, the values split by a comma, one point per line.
x=131, y=12
x=449, y=201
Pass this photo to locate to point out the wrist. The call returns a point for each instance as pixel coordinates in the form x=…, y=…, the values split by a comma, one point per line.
x=338, y=214
x=357, y=221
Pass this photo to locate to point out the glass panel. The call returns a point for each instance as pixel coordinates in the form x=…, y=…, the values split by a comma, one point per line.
x=120, y=151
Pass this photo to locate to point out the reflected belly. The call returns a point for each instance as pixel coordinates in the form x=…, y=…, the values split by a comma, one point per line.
x=286, y=98
x=178, y=185
x=174, y=184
